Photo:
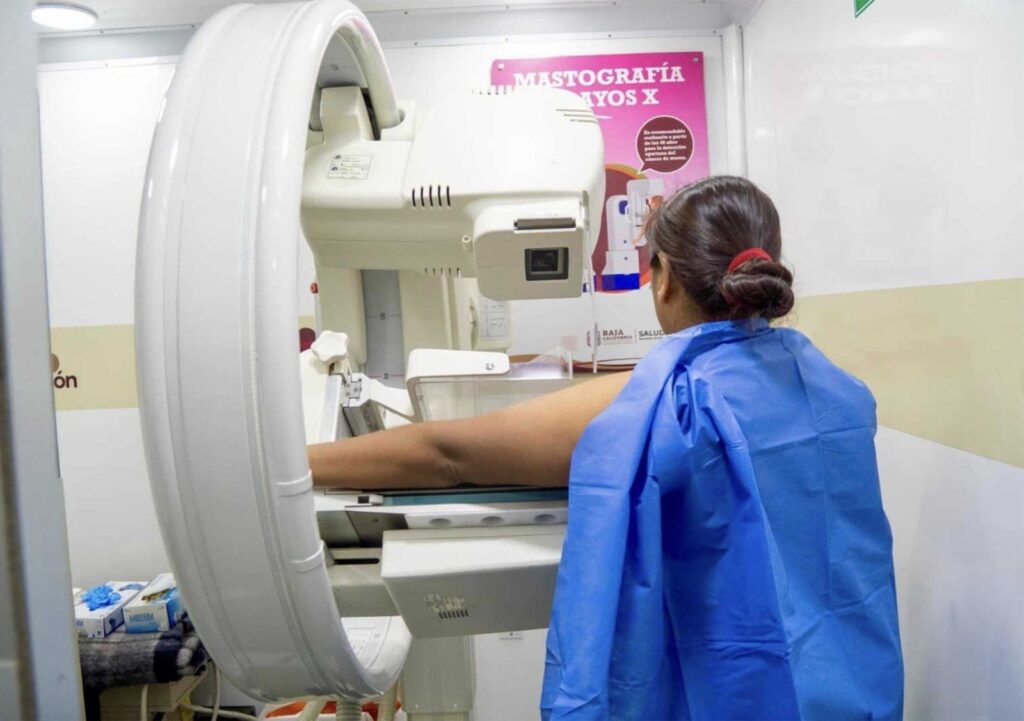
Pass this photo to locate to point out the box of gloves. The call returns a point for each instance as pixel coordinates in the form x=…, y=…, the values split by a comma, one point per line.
x=157, y=607
x=99, y=611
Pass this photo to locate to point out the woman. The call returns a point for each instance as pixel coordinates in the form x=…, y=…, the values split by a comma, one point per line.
x=727, y=555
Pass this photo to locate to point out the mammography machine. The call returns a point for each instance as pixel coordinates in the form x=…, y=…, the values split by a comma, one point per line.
x=626, y=215
x=280, y=125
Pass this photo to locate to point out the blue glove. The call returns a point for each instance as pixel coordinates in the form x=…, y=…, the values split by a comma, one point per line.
x=100, y=596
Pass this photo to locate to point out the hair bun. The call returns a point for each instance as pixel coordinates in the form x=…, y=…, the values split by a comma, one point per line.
x=712, y=224
x=759, y=288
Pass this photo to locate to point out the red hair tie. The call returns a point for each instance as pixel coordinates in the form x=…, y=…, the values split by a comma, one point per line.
x=746, y=256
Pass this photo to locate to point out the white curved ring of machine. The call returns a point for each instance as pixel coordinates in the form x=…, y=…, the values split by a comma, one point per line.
x=216, y=311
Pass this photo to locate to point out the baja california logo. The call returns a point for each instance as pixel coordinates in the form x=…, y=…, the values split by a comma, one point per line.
x=615, y=336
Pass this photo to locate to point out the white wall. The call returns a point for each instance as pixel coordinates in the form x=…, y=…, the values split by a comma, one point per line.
x=97, y=123
x=957, y=528
x=891, y=142
x=892, y=146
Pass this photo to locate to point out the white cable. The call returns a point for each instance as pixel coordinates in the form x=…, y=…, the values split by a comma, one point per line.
x=386, y=704
x=223, y=713
x=346, y=710
x=143, y=703
x=216, y=694
x=311, y=711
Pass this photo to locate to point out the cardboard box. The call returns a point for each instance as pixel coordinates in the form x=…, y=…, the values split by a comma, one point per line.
x=102, y=622
x=157, y=607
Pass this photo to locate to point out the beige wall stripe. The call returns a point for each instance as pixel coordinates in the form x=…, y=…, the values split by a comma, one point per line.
x=93, y=367
x=946, y=363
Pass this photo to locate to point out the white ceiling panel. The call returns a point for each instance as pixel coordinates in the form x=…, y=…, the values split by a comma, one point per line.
x=134, y=14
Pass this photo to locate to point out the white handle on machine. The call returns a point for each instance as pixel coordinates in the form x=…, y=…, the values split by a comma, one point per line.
x=216, y=312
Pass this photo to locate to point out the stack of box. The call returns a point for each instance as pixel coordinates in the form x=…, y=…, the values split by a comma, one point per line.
x=103, y=621
x=157, y=607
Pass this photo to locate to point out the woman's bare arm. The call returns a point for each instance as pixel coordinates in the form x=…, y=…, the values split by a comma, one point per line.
x=527, y=444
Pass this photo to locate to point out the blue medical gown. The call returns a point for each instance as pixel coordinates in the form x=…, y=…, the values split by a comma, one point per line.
x=727, y=555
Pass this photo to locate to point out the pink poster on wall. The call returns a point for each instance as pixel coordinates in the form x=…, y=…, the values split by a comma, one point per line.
x=653, y=115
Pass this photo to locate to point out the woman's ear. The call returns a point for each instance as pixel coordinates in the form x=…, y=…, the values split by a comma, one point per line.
x=663, y=281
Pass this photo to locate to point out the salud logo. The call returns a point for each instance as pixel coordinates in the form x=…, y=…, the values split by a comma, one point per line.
x=61, y=382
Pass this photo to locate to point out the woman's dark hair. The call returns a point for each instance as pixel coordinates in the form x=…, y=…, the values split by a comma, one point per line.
x=701, y=229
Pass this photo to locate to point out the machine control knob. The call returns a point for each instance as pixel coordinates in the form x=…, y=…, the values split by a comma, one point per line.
x=330, y=347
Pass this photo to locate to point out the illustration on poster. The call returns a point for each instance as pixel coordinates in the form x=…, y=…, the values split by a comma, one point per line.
x=651, y=109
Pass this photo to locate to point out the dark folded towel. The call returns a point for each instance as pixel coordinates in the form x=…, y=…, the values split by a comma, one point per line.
x=127, y=659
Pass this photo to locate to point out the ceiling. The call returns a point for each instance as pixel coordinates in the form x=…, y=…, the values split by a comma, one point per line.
x=133, y=14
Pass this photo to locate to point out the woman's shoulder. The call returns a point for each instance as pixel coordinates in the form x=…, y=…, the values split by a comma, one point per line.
x=824, y=369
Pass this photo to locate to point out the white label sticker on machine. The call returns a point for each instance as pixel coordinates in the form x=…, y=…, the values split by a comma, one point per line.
x=350, y=167
x=366, y=635
x=494, y=314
